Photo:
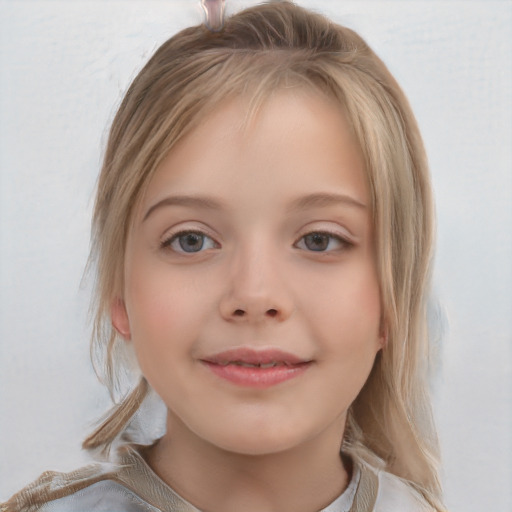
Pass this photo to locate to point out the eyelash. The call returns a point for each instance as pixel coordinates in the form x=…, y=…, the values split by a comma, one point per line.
x=343, y=242
x=175, y=237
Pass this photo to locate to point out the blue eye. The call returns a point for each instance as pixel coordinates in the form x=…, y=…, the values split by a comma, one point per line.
x=189, y=242
x=318, y=241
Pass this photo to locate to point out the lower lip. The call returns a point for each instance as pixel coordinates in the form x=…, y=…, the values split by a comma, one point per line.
x=255, y=377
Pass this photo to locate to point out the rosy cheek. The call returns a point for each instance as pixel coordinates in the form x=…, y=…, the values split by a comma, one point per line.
x=346, y=318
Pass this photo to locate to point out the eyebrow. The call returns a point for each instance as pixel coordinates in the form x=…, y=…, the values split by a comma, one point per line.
x=202, y=202
x=323, y=199
x=317, y=200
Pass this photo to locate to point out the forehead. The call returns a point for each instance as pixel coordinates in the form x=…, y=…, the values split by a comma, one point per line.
x=295, y=140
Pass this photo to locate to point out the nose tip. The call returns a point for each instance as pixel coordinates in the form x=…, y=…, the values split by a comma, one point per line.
x=240, y=313
x=245, y=307
x=256, y=286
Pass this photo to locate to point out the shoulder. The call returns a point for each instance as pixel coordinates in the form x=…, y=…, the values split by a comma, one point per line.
x=127, y=484
x=397, y=495
x=92, y=488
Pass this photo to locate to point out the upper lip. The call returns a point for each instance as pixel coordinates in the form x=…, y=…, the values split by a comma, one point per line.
x=254, y=356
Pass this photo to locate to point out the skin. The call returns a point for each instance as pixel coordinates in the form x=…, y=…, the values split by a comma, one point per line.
x=256, y=282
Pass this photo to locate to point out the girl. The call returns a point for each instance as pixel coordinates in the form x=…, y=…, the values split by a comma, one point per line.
x=262, y=235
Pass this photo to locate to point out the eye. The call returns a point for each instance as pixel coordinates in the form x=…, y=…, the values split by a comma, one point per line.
x=189, y=242
x=319, y=241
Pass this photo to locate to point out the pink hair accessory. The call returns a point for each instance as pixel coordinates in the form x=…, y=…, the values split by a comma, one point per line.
x=214, y=10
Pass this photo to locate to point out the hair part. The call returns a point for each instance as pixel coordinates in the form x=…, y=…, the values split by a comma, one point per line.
x=258, y=51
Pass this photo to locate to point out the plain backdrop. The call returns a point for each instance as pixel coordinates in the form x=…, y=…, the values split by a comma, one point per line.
x=64, y=66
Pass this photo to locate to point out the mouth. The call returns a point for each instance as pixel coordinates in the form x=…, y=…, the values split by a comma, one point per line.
x=256, y=368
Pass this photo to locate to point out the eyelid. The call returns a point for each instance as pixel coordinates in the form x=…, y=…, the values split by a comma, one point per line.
x=335, y=231
x=340, y=240
x=188, y=226
x=182, y=229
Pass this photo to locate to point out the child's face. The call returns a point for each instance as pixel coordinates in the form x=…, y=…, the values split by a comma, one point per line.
x=256, y=245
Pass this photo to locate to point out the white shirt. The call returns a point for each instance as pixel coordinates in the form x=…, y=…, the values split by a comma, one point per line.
x=132, y=486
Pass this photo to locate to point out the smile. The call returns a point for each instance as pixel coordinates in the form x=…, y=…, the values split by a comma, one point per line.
x=256, y=368
x=251, y=365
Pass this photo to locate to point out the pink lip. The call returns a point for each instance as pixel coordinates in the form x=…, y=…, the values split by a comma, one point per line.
x=232, y=364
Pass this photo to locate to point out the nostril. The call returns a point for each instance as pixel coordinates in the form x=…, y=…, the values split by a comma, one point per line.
x=272, y=312
x=239, y=312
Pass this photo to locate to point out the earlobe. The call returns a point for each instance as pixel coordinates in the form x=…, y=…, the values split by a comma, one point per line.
x=383, y=334
x=119, y=317
x=383, y=340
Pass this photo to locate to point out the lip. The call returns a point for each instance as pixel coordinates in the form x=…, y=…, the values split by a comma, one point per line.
x=256, y=368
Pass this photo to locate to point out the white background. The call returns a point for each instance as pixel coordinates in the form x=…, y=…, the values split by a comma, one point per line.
x=64, y=66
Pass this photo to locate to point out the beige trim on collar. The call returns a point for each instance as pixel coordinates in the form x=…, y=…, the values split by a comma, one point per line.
x=132, y=471
x=366, y=492
x=140, y=478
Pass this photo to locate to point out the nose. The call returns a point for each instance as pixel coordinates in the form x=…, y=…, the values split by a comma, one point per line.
x=256, y=290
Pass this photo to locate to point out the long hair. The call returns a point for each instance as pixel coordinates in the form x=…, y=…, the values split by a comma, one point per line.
x=259, y=51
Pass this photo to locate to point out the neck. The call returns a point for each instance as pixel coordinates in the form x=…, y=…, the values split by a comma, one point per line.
x=301, y=479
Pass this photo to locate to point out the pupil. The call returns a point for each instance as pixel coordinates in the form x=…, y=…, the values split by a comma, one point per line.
x=192, y=242
x=317, y=242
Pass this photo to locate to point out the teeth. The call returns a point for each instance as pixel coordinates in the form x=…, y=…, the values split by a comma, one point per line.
x=256, y=365
x=272, y=364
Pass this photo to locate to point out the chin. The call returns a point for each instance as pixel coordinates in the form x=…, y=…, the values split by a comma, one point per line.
x=257, y=447
x=258, y=441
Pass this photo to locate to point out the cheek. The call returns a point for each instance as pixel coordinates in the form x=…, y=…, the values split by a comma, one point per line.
x=346, y=312
x=160, y=330
x=153, y=311
x=166, y=307
x=156, y=311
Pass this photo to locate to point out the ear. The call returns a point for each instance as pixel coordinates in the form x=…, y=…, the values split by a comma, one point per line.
x=383, y=333
x=119, y=317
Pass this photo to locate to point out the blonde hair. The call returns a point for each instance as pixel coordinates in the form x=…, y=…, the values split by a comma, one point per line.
x=258, y=51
